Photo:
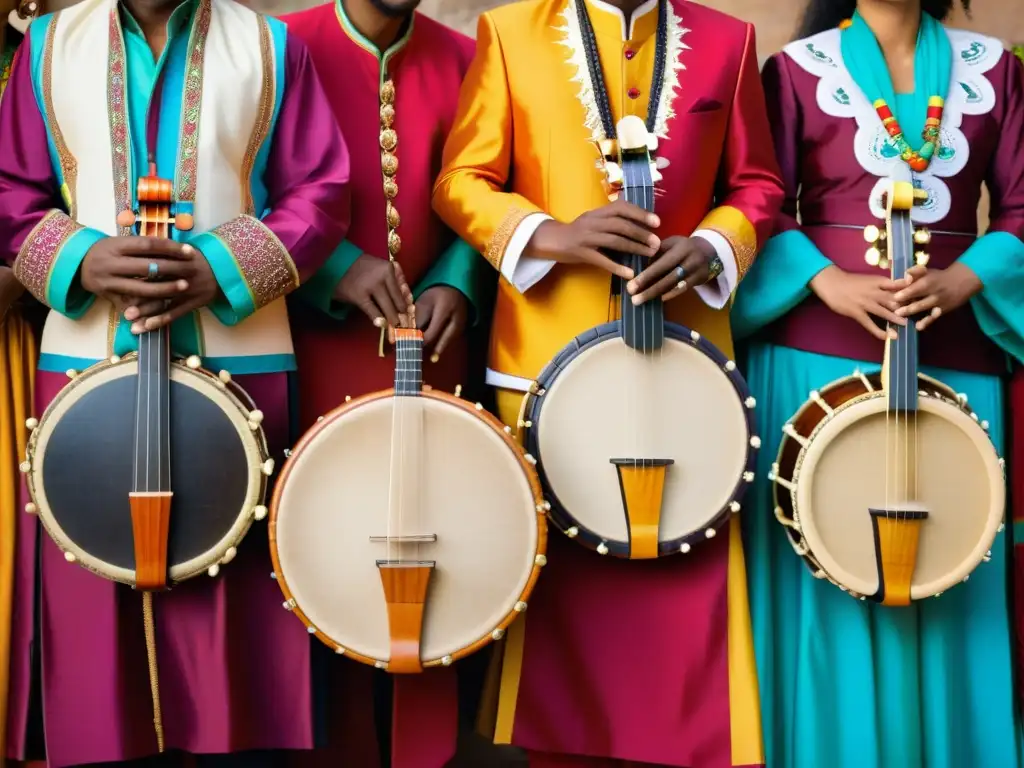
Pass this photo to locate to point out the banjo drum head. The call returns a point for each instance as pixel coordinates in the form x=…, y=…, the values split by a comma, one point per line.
x=473, y=491
x=684, y=402
x=842, y=474
x=83, y=466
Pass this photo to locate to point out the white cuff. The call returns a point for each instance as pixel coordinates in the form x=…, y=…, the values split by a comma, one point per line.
x=524, y=272
x=716, y=293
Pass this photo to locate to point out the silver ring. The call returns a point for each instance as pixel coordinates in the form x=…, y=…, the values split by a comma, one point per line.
x=153, y=271
x=680, y=274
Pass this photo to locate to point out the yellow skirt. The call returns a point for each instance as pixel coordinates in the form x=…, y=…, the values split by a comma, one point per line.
x=17, y=368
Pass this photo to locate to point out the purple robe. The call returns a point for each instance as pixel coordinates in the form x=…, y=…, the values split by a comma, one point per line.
x=234, y=666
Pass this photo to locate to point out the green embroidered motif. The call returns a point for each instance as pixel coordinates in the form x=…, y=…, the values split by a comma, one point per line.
x=973, y=97
x=973, y=52
x=820, y=55
x=841, y=96
x=946, y=153
x=888, y=150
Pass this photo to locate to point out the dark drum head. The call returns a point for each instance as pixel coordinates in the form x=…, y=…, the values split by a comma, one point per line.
x=89, y=472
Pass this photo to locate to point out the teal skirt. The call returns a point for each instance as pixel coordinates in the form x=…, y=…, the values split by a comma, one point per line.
x=851, y=684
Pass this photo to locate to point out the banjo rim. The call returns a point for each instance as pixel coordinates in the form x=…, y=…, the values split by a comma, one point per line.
x=533, y=403
x=942, y=402
x=540, y=518
x=198, y=565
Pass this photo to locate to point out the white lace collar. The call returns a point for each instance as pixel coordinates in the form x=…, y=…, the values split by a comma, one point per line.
x=970, y=93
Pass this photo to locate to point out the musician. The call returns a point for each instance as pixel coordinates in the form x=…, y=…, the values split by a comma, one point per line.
x=847, y=683
x=17, y=366
x=615, y=660
x=264, y=165
x=386, y=67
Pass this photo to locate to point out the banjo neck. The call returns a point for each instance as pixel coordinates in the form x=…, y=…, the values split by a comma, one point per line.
x=151, y=493
x=643, y=327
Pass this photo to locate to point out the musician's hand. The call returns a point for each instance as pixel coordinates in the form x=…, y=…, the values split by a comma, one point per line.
x=200, y=291
x=619, y=227
x=10, y=290
x=441, y=313
x=693, y=254
x=113, y=267
x=858, y=297
x=378, y=288
x=935, y=291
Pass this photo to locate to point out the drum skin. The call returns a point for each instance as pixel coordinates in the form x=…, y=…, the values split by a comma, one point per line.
x=823, y=490
x=474, y=490
x=82, y=467
x=599, y=400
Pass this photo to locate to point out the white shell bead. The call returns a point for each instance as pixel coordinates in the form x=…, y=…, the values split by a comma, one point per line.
x=684, y=547
x=497, y=634
x=602, y=548
x=446, y=661
x=213, y=570
x=193, y=362
x=229, y=555
x=70, y=557
x=710, y=533
x=541, y=560
x=31, y=508
x=31, y=423
x=520, y=607
x=259, y=512
x=573, y=532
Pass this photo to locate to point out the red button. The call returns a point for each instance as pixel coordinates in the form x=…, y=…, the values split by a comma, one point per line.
x=630, y=53
x=633, y=93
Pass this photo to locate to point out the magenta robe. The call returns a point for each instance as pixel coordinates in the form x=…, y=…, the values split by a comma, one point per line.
x=233, y=665
x=341, y=358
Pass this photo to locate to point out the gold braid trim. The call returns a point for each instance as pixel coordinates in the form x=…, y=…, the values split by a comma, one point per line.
x=499, y=241
x=731, y=224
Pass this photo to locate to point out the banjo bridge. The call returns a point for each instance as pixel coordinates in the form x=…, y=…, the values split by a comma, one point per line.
x=642, y=484
x=897, y=535
x=419, y=538
x=405, y=585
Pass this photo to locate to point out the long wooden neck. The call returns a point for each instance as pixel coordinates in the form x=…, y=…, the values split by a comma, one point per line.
x=643, y=326
x=901, y=353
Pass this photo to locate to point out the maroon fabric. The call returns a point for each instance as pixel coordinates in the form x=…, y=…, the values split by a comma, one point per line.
x=832, y=188
x=1016, y=438
x=335, y=358
x=682, y=623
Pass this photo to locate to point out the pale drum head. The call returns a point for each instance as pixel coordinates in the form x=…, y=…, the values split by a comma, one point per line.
x=474, y=494
x=842, y=474
x=253, y=444
x=611, y=402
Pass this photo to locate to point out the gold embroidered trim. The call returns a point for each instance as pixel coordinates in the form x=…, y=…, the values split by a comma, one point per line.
x=266, y=113
x=263, y=260
x=499, y=241
x=40, y=250
x=731, y=224
x=117, y=115
x=68, y=164
x=191, y=105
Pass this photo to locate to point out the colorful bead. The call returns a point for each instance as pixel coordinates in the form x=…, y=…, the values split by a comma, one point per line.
x=846, y=23
x=919, y=160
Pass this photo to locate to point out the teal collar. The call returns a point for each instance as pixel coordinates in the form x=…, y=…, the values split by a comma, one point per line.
x=179, y=22
x=367, y=45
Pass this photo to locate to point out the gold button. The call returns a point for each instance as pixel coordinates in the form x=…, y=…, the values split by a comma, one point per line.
x=394, y=243
x=388, y=139
x=387, y=92
x=389, y=164
x=394, y=220
x=390, y=189
x=387, y=115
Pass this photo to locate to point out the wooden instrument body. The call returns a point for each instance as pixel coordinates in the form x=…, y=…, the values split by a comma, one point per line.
x=831, y=469
x=691, y=407
x=473, y=509
x=81, y=464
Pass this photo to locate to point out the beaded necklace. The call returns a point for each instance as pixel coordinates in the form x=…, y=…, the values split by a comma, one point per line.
x=918, y=160
x=597, y=76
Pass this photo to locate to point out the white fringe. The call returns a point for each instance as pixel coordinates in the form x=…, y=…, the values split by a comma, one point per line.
x=572, y=39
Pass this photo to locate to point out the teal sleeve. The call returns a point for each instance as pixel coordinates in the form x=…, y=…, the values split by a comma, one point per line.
x=777, y=282
x=64, y=292
x=998, y=261
x=235, y=302
x=459, y=267
x=318, y=291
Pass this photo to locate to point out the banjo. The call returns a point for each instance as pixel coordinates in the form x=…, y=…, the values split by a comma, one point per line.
x=643, y=430
x=407, y=528
x=116, y=511
x=888, y=484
